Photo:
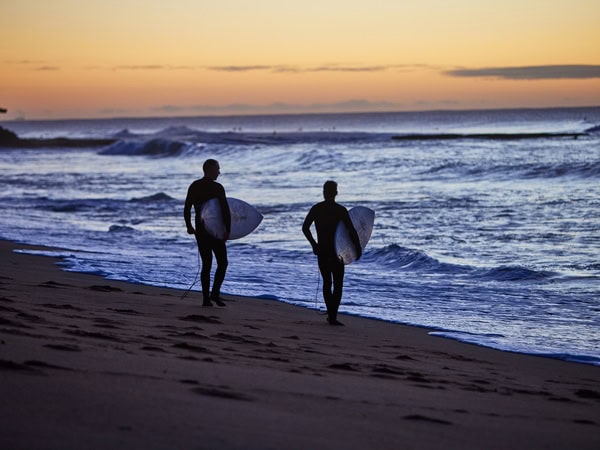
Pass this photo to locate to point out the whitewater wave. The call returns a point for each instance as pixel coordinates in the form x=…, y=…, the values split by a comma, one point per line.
x=410, y=260
x=78, y=205
x=185, y=136
x=484, y=136
x=154, y=147
x=158, y=197
x=120, y=229
x=176, y=131
x=402, y=258
x=514, y=273
x=585, y=170
x=594, y=129
x=69, y=206
x=125, y=134
x=524, y=171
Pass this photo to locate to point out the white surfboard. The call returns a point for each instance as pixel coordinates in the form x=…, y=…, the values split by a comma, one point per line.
x=363, y=219
x=244, y=218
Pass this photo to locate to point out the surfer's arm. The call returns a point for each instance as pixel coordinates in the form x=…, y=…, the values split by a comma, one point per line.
x=226, y=212
x=306, y=230
x=353, y=235
x=187, y=213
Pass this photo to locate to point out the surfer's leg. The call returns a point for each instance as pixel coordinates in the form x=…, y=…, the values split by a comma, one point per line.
x=338, y=285
x=325, y=269
x=220, y=250
x=206, y=256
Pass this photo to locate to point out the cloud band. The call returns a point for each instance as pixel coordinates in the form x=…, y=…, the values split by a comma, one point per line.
x=550, y=72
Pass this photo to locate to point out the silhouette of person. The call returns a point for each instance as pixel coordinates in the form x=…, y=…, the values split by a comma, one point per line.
x=199, y=192
x=326, y=215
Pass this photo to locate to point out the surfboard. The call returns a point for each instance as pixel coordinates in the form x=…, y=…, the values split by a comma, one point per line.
x=363, y=219
x=244, y=218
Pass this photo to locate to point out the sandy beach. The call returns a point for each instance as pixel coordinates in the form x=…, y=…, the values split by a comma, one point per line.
x=96, y=364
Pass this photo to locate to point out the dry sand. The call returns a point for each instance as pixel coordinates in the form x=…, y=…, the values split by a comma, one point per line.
x=87, y=363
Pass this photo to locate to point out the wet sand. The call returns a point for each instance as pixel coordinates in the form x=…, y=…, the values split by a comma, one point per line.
x=91, y=363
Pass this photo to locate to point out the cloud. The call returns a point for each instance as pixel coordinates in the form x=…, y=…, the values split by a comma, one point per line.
x=152, y=67
x=334, y=68
x=551, y=72
x=276, y=68
x=141, y=67
x=22, y=62
x=282, y=68
x=240, y=68
x=29, y=64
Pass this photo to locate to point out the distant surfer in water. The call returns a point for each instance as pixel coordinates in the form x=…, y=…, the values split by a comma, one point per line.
x=199, y=192
x=327, y=215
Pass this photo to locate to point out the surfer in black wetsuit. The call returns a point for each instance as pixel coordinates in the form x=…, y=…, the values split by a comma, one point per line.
x=326, y=216
x=199, y=192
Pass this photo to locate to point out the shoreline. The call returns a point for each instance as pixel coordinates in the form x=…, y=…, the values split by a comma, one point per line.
x=431, y=330
x=109, y=364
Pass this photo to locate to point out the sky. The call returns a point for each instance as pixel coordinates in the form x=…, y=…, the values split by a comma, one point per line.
x=140, y=58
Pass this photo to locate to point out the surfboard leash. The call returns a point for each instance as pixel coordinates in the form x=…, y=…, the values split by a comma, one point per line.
x=195, y=279
x=317, y=291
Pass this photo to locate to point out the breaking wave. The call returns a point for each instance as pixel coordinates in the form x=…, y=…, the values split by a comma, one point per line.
x=120, y=229
x=159, y=197
x=406, y=259
x=155, y=147
x=594, y=129
x=402, y=258
x=524, y=171
x=514, y=273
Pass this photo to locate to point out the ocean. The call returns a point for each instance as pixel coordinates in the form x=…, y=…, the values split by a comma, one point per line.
x=487, y=226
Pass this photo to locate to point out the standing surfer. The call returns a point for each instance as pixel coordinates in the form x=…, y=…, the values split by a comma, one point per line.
x=327, y=215
x=199, y=192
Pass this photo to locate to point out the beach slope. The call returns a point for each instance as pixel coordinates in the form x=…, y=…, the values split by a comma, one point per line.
x=96, y=364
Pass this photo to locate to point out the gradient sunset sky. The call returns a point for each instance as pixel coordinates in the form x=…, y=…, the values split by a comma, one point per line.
x=115, y=58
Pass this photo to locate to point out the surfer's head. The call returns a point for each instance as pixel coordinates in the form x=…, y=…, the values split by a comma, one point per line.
x=330, y=190
x=211, y=169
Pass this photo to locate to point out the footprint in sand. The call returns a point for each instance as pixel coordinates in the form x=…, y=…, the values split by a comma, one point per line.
x=421, y=418
x=64, y=306
x=190, y=347
x=153, y=348
x=94, y=335
x=13, y=366
x=343, y=366
x=200, y=318
x=221, y=392
x=104, y=288
x=54, y=285
x=130, y=312
x=64, y=347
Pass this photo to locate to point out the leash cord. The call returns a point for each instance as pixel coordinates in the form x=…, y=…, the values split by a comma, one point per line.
x=317, y=291
x=195, y=280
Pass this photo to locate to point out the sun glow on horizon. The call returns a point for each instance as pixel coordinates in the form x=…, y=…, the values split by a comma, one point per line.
x=137, y=58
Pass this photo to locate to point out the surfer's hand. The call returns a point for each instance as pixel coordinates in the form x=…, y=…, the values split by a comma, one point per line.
x=358, y=253
x=191, y=230
x=315, y=249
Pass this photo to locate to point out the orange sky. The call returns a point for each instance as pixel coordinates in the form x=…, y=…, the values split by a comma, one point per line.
x=72, y=58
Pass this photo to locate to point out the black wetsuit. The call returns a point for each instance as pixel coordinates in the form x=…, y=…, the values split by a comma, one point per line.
x=326, y=216
x=199, y=192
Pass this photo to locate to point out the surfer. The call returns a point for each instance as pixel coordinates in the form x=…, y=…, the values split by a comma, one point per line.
x=326, y=215
x=199, y=192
